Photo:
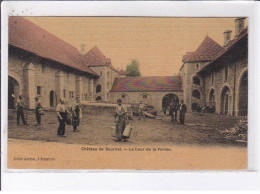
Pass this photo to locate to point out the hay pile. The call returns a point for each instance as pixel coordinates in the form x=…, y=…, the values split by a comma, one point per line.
x=237, y=133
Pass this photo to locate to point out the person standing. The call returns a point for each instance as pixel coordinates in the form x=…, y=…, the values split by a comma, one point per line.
x=171, y=109
x=183, y=110
x=19, y=110
x=141, y=109
x=62, y=116
x=38, y=111
x=76, y=114
x=120, y=119
x=175, y=110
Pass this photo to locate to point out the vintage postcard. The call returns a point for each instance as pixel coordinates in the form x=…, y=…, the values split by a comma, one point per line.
x=127, y=93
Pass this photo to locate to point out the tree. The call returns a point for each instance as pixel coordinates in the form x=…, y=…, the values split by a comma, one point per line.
x=133, y=69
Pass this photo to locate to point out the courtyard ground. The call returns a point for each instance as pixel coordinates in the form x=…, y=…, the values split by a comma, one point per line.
x=95, y=129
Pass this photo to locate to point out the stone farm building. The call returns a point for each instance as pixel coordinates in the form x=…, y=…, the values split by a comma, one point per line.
x=216, y=76
x=156, y=91
x=40, y=64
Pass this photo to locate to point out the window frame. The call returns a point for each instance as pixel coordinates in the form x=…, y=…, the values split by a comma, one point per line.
x=40, y=90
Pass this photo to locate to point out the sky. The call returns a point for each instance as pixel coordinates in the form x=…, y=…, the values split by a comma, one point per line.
x=157, y=43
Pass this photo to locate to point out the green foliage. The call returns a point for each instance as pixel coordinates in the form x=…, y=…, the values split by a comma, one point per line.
x=133, y=69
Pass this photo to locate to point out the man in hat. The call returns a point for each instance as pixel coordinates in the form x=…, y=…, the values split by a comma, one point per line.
x=120, y=119
x=38, y=111
x=183, y=110
x=141, y=110
x=76, y=114
x=19, y=110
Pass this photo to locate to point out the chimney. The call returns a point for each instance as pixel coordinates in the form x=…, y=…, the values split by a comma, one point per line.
x=227, y=37
x=83, y=49
x=239, y=25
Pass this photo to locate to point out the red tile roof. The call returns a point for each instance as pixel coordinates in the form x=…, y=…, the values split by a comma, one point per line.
x=231, y=44
x=147, y=84
x=30, y=37
x=207, y=51
x=95, y=57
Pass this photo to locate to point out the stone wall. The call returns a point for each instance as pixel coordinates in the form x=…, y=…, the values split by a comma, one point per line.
x=152, y=98
x=106, y=80
x=188, y=72
x=42, y=78
x=232, y=83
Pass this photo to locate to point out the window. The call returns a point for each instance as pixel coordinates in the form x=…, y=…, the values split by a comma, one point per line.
x=196, y=81
x=39, y=90
x=98, y=88
x=123, y=96
x=212, y=78
x=71, y=94
x=64, y=93
x=196, y=94
x=197, y=66
x=144, y=96
x=85, y=96
x=226, y=73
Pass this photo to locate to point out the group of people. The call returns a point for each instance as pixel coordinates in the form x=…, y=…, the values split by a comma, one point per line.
x=121, y=117
x=63, y=114
x=174, y=108
x=65, y=117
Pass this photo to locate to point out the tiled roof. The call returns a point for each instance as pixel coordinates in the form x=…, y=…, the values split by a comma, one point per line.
x=207, y=51
x=231, y=44
x=30, y=37
x=146, y=84
x=94, y=57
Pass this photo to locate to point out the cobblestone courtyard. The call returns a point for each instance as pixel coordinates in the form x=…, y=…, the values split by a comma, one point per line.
x=95, y=129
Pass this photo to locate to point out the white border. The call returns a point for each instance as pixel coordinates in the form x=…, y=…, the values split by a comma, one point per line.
x=135, y=180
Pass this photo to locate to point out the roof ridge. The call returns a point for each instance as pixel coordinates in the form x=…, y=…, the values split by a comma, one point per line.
x=26, y=35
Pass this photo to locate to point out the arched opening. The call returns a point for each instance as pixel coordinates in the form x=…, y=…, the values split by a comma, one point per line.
x=52, y=98
x=98, y=98
x=212, y=103
x=13, y=92
x=98, y=88
x=243, y=95
x=167, y=99
x=225, y=100
x=196, y=81
x=196, y=94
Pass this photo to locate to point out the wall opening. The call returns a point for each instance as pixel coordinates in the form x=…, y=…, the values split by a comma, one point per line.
x=52, y=98
x=212, y=102
x=98, y=98
x=225, y=100
x=243, y=95
x=196, y=81
x=167, y=99
x=196, y=94
x=98, y=88
x=13, y=92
